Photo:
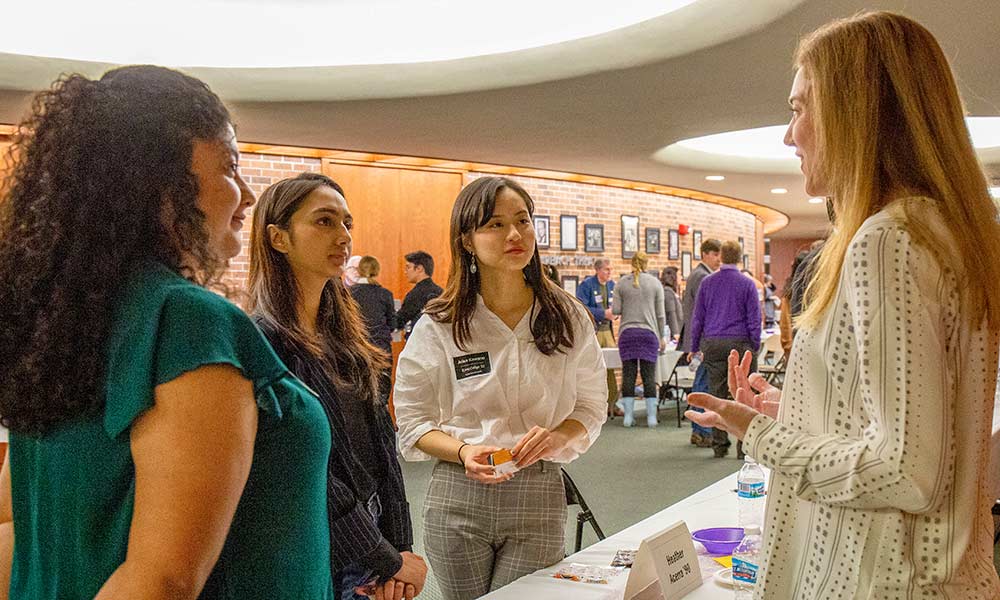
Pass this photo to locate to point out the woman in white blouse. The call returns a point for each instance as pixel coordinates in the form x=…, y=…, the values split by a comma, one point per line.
x=879, y=446
x=504, y=359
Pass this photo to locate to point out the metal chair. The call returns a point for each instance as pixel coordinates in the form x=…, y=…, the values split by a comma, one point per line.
x=772, y=359
x=573, y=496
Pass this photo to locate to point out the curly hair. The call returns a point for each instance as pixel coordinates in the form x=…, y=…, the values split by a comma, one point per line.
x=101, y=184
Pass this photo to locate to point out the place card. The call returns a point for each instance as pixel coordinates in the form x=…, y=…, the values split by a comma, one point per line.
x=667, y=558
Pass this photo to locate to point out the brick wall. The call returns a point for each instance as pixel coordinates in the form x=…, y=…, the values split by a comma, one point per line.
x=592, y=204
x=602, y=205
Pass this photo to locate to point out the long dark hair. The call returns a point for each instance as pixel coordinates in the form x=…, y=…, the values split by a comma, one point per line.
x=668, y=277
x=350, y=360
x=552, y=327
x=101, y=183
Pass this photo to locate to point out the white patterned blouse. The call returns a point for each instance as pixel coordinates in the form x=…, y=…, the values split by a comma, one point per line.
x=880, y=453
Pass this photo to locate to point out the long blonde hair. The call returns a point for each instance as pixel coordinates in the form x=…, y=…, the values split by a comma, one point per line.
x=640, y=260
x=889, y=123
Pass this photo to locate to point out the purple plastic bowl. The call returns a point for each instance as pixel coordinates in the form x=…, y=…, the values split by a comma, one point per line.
x=719, y=540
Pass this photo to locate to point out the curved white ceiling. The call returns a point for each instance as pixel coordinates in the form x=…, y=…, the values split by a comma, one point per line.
x=762, y=149
x=275, y=33
x=352, y=49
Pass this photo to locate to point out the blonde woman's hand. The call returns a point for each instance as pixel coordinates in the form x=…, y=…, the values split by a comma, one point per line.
x=764, y=397
x=732, y=417
x=475, y=459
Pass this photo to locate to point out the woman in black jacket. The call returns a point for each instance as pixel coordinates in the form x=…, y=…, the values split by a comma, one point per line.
x=300, y=243
x=379, y=310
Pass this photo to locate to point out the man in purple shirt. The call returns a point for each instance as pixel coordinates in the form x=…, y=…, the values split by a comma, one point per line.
x=726, y=317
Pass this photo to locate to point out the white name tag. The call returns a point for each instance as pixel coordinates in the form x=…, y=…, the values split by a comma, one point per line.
x=669, y=559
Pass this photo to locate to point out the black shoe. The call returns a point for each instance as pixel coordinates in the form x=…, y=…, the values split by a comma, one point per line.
x=722, y=452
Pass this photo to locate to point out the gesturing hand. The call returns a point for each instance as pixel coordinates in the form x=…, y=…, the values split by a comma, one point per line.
x=733, y=417
x=538, y=444
x=764, y=397
x=475, y=459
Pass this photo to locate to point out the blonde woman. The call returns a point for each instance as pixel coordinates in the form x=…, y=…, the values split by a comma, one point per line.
x=639, y=301
x=879, y=452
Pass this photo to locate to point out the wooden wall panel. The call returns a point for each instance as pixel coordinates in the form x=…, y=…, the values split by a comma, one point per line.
x=397, y=211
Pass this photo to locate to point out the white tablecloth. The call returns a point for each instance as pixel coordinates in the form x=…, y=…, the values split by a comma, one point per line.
x=714, y=506
x=664, y=364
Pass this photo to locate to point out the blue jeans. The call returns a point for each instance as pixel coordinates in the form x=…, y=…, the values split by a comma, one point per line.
x=700, y=385
x=356, y=575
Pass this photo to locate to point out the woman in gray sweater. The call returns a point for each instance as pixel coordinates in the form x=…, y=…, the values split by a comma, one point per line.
x=639, y=300
x=672, y=301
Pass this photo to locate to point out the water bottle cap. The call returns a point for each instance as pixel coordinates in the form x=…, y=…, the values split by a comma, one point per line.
x=751, y=530
x=747, y=459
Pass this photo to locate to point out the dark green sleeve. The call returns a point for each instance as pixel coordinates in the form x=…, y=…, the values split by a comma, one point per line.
x=191, y=327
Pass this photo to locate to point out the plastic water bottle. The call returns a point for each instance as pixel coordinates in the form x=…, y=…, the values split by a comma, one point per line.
x=746, y=562
x=750, y=487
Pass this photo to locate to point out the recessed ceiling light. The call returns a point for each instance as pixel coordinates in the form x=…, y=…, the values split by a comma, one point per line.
x=715, y=177
x=817, y=200
x=779, y=191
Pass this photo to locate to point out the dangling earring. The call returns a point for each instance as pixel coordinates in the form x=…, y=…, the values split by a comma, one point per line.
x=473, y=268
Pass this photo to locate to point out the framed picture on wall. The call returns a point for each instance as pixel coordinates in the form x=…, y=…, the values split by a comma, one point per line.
x=567, y=232
x=746, y=262
x=685, y=264
x=743, y=245
x=593, y=238
x=673, y=244
x=541, y=231
x=696, y=242
x=630, y=235
x=569, y=283
x=652, y=240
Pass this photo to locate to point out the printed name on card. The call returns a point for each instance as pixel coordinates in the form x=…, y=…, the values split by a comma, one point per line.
x=669, y=559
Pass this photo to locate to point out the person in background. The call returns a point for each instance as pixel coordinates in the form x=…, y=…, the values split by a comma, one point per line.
x=726, y=318
x=879, y=459
x=300, y=241
x=123, y=480
x=379, y=312
x=351, y=273
x=597, y=292
x=639, y=301
x=457, y=402
x=771, y=302
x=785, y=322
x=418, y=270
x=803, y=274
x=552, y=273
x=710, y=260
x=672, y=301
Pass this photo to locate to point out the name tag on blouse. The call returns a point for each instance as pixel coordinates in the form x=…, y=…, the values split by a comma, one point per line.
x=472, y=365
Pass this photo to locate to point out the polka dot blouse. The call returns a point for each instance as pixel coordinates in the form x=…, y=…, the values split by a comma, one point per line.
x=880, y=454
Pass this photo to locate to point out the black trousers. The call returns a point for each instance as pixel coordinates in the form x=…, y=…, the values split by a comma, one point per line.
x=716, y=361
x=648, y=371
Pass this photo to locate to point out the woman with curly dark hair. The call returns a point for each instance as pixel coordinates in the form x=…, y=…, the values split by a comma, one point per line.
x=158, y=446
x=299, y=245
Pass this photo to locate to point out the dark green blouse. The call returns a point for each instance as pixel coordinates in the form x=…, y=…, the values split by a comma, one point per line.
x=74, y=488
